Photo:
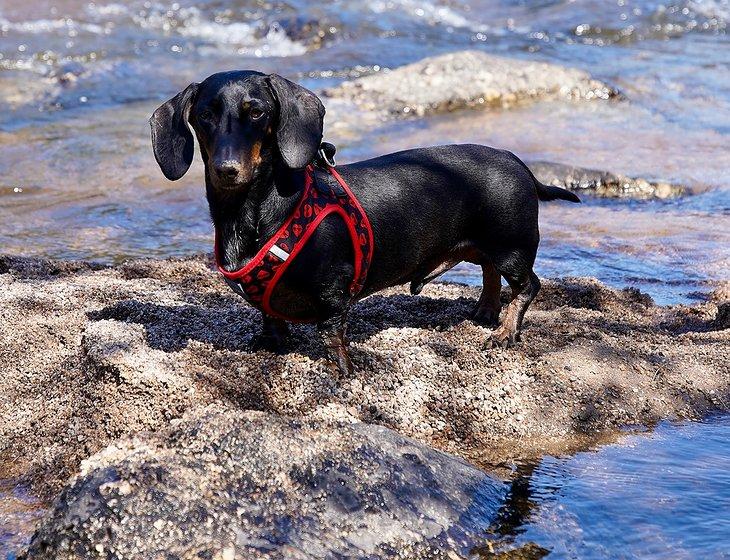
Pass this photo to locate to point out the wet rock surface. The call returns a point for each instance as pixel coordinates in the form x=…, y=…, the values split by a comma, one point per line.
x=91, y=354
x=223, y=483
x=467, y=79
x=602, y=183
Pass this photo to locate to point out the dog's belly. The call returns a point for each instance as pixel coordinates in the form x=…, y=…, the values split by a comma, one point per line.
x=438, y=265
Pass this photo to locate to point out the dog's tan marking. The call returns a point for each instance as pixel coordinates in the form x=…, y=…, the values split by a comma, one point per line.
x=256, y=153
x=522, y=295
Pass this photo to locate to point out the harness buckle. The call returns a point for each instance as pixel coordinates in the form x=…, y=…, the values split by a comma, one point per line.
x=326, y=154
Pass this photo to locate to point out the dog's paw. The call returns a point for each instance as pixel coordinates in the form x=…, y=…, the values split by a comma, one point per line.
x=502, y=338
x=416, y=287
x=268, y=343
x=341, y=362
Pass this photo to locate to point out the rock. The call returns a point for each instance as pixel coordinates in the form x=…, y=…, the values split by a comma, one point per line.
x=467, y=79
x=602, y=183
x=19, y=512
x=229, y=484
x=722, y=320
x=93, y=354
x=475, y=79
x=312, y=32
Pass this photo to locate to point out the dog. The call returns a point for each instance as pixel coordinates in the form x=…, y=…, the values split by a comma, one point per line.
x=429, y=208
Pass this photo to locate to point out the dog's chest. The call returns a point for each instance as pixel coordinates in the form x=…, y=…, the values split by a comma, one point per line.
x=267, y=282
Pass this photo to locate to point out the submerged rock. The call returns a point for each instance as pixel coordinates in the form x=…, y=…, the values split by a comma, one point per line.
x=226, y=484
x=602, y=183
x=18, y=90
x=467, y=79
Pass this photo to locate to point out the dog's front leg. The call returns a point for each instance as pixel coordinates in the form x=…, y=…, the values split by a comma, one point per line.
x=332, y=332
x=274, y=333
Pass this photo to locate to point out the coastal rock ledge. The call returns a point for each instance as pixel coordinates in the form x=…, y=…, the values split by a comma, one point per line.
x=226, y=484
x=91, y=354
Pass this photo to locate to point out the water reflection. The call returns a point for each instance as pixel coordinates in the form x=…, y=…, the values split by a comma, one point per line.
x=661, y=494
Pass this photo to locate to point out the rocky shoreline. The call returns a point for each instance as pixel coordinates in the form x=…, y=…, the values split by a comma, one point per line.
x=92, y=353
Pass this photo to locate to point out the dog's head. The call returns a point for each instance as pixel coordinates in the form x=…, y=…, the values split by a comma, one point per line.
x=245, y=122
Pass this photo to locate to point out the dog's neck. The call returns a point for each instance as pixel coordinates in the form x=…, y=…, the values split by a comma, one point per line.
x=245, y=220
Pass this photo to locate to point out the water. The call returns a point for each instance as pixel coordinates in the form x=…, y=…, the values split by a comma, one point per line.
x=78, y=80
x=662, y=494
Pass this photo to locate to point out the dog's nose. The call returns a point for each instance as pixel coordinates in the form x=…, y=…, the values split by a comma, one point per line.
x=228, y=169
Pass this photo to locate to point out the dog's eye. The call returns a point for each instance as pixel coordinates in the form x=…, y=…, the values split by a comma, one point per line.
x=256, y=114
x=206, y=115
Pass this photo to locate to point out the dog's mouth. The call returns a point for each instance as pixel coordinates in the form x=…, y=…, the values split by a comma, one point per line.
x=230, y=182
x=230, y=185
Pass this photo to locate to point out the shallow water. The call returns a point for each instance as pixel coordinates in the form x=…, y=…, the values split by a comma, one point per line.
x=660, y=494
x=78, y=80
x=19, y=513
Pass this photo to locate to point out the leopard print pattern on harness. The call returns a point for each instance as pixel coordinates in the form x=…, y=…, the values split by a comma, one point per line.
x=257, y=280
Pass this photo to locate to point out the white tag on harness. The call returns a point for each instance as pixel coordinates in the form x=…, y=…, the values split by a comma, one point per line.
x=279, y=252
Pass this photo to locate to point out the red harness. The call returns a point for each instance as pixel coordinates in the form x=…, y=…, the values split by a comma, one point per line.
x=257, y=280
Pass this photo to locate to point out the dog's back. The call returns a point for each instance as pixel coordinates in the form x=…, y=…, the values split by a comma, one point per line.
x=428, y=203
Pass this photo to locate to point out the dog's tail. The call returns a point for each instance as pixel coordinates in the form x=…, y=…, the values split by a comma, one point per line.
x=549, y=192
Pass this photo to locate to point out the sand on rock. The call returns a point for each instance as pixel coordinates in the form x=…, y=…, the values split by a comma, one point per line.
x=467, y=79
x=223, y=483
x=90, y=354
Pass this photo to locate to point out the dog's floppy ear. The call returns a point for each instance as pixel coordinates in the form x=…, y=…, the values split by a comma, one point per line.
x=301, y=115
x=172, y=140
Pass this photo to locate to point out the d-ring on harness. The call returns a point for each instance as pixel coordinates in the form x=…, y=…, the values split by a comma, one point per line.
x=257, y=280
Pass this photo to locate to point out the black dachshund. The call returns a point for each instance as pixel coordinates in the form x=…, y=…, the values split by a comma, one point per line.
x=430, y=208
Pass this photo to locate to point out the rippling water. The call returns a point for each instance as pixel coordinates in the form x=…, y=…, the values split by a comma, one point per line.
x=78, y=80
x=663, y=494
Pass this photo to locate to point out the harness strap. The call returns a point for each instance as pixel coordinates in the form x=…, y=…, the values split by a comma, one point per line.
x=257, y=280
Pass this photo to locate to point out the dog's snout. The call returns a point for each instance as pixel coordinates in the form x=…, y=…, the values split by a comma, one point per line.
x=228, y=169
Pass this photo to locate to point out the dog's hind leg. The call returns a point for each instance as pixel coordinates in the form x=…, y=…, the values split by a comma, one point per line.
x=486, y=311
x=523, y=292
